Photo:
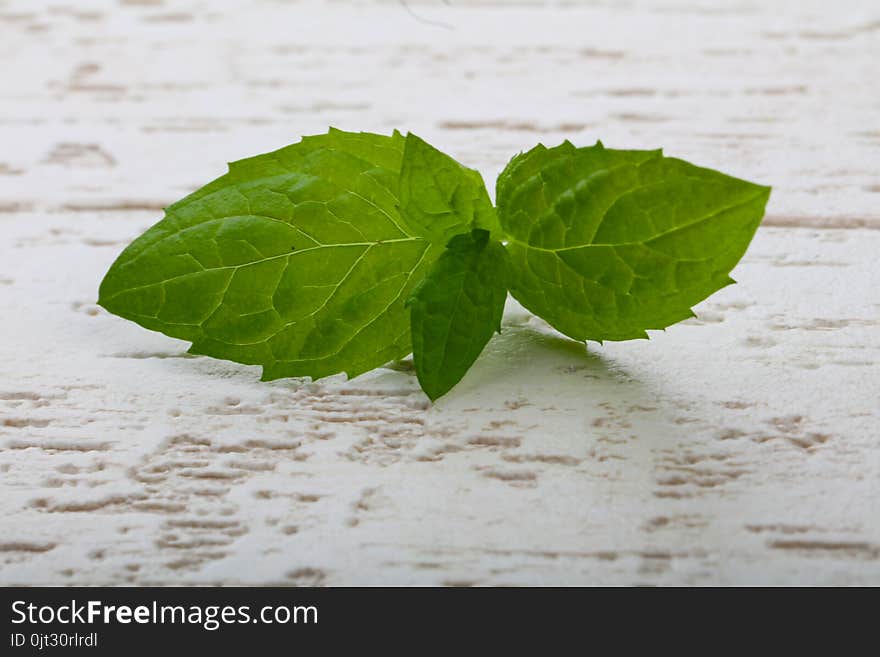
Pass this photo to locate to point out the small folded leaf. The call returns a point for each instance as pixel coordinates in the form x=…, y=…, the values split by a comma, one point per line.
x=605, y=244
x=455, y=310
x=439, y=197
x=297, y=260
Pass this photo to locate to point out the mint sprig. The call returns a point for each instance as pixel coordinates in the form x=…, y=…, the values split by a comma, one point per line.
x=348, y=250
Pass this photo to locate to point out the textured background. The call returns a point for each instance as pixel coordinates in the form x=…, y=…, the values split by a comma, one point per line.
x=739, y=447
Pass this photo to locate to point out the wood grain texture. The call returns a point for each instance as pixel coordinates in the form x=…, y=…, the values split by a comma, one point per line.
x=739, y=447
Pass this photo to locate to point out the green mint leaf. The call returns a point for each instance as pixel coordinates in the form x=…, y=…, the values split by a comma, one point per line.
x=440, y=197
x=297, y=260
x=605, y=244
x=455, y=310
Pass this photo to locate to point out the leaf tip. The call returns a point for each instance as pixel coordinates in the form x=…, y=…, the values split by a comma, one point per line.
x=433, y=392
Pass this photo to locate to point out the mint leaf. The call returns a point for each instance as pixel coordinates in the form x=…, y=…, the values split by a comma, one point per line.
x=297, y=260
x=455, y=310
x=347, y=250
x=605, y=244
x=440, y=197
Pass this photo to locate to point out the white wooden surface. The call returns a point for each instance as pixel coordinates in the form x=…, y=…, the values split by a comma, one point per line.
x=741, y=447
